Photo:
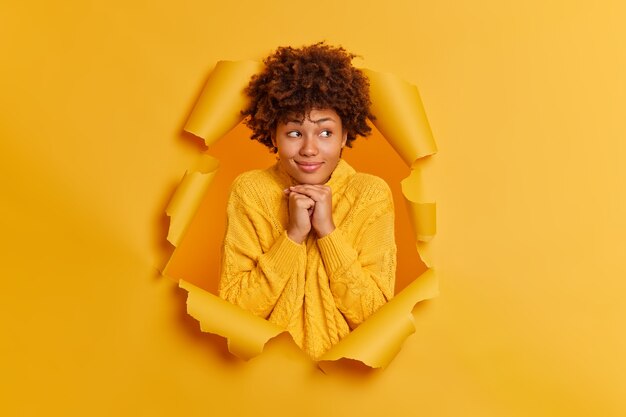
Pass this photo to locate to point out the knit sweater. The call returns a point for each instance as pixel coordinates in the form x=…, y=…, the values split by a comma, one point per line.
x=320, y=289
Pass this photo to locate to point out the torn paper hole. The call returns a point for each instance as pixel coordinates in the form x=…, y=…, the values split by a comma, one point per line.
x=400, y=117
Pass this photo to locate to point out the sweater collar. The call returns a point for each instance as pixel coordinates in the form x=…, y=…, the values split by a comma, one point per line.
x=340, y=175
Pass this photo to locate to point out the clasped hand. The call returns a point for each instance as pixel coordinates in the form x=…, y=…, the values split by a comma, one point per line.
x=310, y=207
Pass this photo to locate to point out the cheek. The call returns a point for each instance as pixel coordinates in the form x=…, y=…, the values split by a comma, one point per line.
x=285, y=151
x=333, y=149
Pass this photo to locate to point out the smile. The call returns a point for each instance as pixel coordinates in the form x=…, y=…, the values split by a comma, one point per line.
x=309, y=166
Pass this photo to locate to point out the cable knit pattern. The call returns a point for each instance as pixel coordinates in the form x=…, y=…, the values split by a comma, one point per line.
x=322, y=288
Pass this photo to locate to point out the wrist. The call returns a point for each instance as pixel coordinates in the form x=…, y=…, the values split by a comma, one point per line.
x=325, y=231
x=296, y=237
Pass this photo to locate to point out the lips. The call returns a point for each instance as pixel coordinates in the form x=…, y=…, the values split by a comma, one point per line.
x=309, y=167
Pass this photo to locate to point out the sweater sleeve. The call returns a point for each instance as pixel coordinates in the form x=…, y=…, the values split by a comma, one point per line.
x=251, y=278
x=362, y=279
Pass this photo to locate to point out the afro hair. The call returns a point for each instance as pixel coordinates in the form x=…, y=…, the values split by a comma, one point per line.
x=295, y=81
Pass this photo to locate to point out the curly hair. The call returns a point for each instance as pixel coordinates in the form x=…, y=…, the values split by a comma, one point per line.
x=295, y=81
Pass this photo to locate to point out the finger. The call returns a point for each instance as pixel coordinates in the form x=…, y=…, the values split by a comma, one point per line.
x=289, y=191
x=309, y=187
x=302, y=195
x=316, y=192
x=301, y=200
x=295, y=195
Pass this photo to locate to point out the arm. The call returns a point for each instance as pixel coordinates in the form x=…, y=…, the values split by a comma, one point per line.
x=362, y=279
x=250, y=278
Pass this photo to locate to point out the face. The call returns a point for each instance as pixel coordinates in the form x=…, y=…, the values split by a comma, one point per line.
x=310, y=149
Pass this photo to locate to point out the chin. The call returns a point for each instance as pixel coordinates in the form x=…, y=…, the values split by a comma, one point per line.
x=307, y=181
x=314, y=179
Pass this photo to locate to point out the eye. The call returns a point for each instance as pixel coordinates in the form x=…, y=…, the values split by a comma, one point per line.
x=294, y=134
x=326, y=133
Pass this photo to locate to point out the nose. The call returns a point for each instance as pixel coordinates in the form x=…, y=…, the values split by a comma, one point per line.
x=309, y=146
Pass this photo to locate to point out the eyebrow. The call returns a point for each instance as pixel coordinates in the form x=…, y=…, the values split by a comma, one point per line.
x=323, y=119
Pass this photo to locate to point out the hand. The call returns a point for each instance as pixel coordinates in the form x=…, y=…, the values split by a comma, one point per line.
x=300, y=211
x=322, y=214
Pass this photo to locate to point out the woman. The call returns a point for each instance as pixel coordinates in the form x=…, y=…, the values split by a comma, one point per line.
x=309, y=243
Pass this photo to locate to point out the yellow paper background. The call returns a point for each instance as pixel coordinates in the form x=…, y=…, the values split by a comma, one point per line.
x=526, y=103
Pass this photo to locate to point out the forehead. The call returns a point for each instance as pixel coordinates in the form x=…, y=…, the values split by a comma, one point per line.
x=314, y=116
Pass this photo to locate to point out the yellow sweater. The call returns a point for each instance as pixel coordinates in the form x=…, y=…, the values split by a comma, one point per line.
x=322, y=288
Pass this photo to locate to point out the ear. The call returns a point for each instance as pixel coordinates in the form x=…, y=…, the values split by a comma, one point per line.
x=273, y=138
x=344, y=140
